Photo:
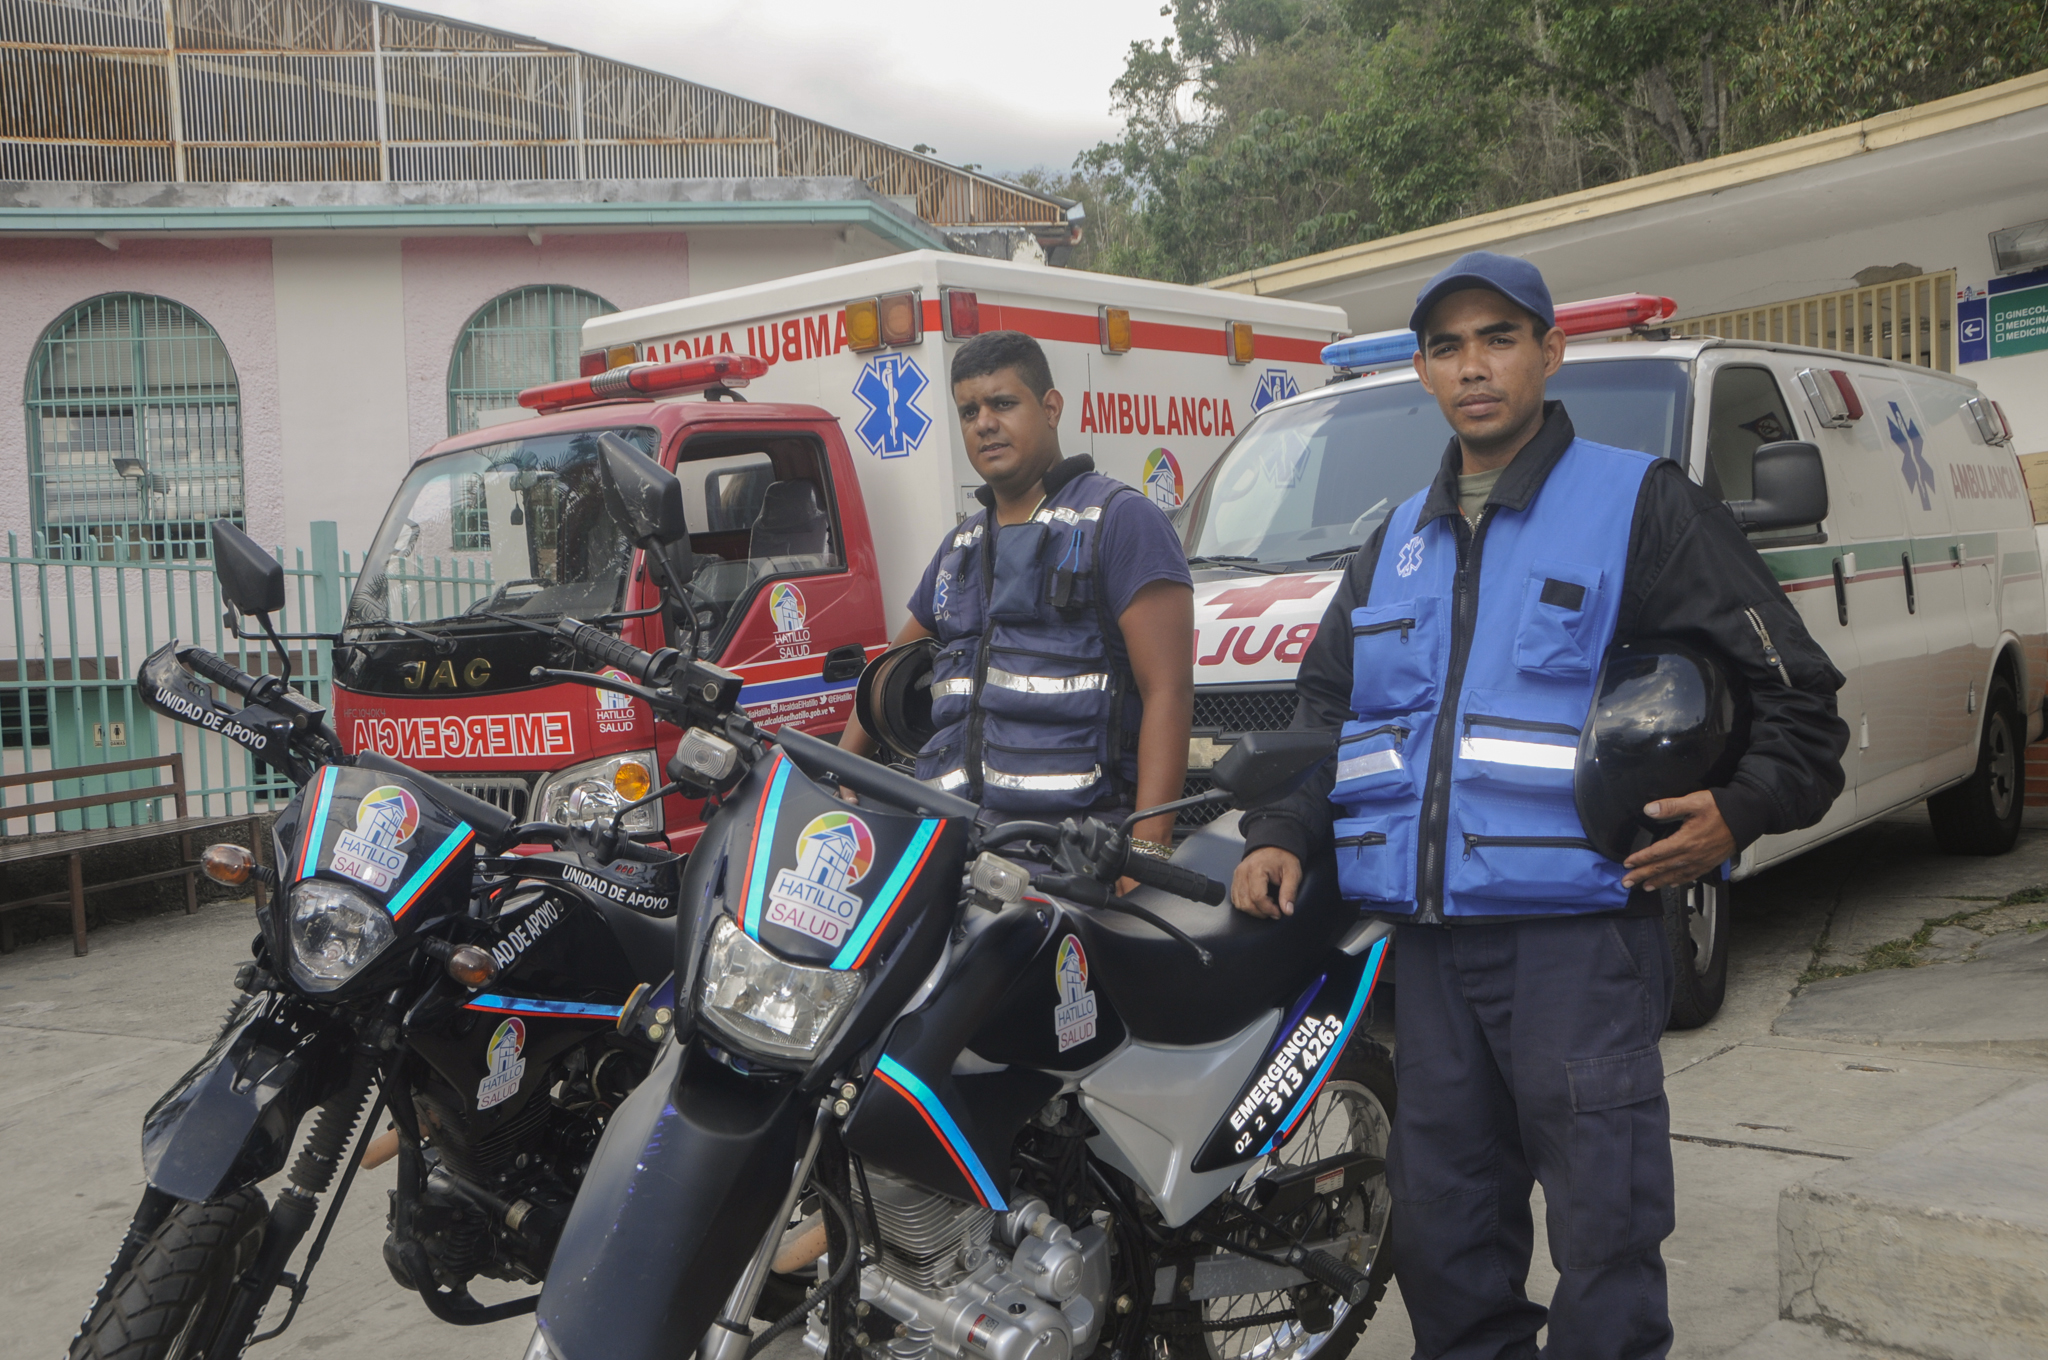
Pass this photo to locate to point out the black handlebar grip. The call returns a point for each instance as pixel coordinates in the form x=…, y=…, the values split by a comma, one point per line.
x=210, y=667
x=1158, y=873
x=1340, y=1279
x=600, y=646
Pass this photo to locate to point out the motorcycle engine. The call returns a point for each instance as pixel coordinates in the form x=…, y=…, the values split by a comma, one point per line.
x=1019, y=1285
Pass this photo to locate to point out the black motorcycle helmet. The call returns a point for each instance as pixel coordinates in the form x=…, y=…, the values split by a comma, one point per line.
x=894, y=699
x=1665, y=723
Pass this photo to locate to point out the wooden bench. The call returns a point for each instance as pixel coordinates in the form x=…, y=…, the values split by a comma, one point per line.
x=73, y=845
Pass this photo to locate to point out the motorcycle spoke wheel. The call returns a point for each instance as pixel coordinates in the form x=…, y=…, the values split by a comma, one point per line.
x=1354, y=1112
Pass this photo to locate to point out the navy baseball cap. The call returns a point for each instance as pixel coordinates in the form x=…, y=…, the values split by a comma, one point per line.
x=1516, y=280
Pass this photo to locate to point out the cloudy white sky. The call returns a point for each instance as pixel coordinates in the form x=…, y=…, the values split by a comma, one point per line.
x=1005, y=86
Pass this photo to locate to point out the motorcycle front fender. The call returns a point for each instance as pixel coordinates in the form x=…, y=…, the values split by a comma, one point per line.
x=230, y=1121
x=685, y=1184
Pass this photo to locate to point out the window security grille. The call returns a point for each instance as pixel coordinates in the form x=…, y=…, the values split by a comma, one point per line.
x=516, y=340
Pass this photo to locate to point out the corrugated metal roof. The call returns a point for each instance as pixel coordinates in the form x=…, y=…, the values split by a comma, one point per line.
x=295, y=90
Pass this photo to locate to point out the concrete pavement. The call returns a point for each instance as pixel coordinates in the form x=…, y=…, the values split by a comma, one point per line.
x=1760, y=1100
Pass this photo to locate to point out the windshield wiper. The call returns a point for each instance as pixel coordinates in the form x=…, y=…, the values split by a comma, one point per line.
x=1234, y=560
x=1331, y=554
x=442, y=642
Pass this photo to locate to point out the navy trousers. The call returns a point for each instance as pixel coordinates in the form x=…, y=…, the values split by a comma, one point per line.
x=1528, y=1053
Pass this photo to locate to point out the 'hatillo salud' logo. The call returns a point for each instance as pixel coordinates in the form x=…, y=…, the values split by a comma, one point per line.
x=834, y=851
x=790, y=615
x=1073, y=1019
x=373, y=853
x=507, y=1059
x=1162, y=479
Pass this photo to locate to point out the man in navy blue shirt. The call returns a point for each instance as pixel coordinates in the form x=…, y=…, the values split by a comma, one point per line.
x=1106, y=566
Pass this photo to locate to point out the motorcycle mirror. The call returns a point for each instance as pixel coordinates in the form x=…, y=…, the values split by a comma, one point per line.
x=641, y=495
x=250, y=579
x=1263, y=767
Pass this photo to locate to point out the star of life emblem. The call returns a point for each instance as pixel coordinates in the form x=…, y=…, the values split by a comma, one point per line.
x=1411, y=557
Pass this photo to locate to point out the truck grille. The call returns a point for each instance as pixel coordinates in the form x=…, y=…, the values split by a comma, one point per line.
x=507, y=793
x=1230, y=713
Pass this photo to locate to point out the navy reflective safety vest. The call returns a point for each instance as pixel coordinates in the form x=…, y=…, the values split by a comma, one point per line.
x=1035, y=713
x=1462, y=774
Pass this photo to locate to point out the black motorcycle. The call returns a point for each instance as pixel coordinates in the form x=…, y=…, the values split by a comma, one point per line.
x=935, y=1089
x=499, y=1008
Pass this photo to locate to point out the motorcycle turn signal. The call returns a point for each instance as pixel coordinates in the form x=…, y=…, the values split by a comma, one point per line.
x=234, y=866
x=467, y=964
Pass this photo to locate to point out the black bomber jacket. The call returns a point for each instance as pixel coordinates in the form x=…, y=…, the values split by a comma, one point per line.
x=1692, y=577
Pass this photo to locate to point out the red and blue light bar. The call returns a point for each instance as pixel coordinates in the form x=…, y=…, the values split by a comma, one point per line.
x=1620, y=312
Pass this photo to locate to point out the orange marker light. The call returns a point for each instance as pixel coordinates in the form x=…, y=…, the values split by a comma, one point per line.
x=631, y=782
x=228, y=864
x=863, y=326
x=1114, y=326
x=902, y=319
x=471, y=966
x=620, y=355
x=1237, y=342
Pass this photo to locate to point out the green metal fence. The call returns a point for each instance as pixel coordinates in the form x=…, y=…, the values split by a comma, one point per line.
x=80, y=629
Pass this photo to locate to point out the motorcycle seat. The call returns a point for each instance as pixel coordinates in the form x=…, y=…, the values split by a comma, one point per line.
x=1161, y=989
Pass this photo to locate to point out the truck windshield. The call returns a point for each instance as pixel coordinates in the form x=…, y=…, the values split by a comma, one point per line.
x=1310, y=482
x=513, y=528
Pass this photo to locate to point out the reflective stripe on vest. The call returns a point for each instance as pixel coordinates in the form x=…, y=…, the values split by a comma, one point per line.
x=1510, y=843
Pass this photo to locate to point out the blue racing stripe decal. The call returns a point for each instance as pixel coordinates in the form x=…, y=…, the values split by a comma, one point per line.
x=1315, y=1086
x=309, y=850
x=885, y=900
x=460, y=837
x=764, y=845
x=519, y=1005
x=920, y=1095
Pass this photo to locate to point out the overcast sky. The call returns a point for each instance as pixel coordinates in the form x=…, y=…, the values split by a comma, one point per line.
x=1005, y=86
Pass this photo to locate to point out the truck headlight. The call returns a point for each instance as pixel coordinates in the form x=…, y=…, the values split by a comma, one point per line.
x=766, y=1005
x=583, y=794
x=334, y=930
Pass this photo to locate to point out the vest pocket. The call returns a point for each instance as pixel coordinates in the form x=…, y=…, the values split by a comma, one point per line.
x=1372, y=762
x=1376, y=859
x=1040, y=768
x=1044, y=686
x=1019, y=576
x=953, y=681
x=1560, y=613
x=943, y=761
x=1394, y=655
x=1528, y=852
x=1513, y=740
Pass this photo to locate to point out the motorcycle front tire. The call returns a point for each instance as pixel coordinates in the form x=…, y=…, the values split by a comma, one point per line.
x=167, y=1304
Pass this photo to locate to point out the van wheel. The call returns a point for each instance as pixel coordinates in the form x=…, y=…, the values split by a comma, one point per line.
x=1981, y=815
x=1696, y=924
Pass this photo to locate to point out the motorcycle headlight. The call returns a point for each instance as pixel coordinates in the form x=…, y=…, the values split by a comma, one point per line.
x=335, y=930
x=767, y=1005
x=582, y=795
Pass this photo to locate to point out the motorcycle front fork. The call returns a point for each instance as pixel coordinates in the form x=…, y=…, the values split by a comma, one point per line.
x=728, y=1337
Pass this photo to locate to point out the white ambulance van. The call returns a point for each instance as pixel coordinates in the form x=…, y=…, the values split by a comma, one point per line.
x=1158, y=377
x=1923, y=582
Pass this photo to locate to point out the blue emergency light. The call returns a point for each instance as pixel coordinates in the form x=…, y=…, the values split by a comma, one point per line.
x=1371, y=351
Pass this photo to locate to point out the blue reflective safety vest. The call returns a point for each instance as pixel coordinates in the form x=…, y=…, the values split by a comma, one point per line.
x=1454, y=777
x=1035, y=713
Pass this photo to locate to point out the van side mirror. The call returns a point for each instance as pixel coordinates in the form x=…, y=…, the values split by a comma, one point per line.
x=1791, y=488
x=250, y=579
x=1263, y=767
x=644, y=497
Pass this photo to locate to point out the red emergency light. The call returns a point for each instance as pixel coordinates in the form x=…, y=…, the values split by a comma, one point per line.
x=1618, y=313
x=646, y=380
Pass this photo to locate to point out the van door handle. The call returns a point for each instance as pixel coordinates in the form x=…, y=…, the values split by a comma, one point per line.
x=1912, y=604
x=845, y=663
x=1841, y=595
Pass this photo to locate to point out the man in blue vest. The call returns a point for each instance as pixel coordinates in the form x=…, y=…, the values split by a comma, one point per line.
x=1064, y=681
x=1459, y=659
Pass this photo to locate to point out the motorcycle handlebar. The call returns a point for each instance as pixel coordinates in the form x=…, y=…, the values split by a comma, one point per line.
x=1158, y=873
x=870, y=780
x=221, y=672
x=600, y=646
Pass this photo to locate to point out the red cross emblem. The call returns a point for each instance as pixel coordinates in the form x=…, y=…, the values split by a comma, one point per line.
x=1248, y=602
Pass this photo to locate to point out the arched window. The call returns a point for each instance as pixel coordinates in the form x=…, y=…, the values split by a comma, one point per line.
x=517, y=339
x=134, y=432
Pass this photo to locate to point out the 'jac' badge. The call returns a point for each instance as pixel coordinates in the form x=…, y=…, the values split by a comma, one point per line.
x=834, y=852
x=1074, y=1018
x=371, y=853
x=508, y=1064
